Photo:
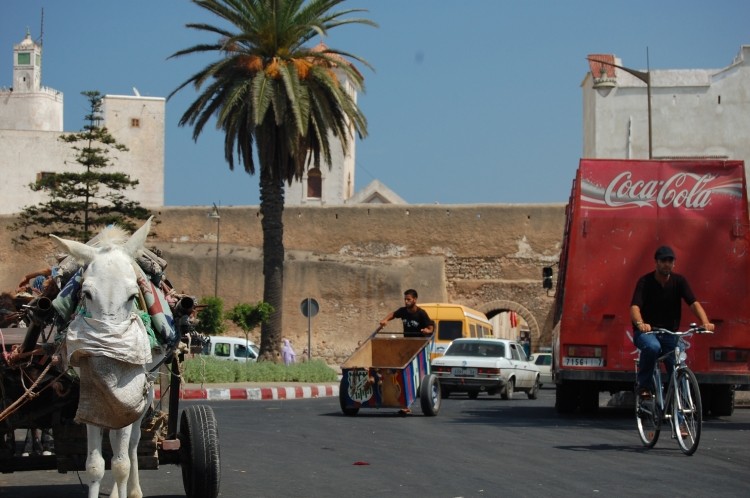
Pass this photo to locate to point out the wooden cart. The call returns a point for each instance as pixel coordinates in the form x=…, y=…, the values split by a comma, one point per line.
x=389, y=371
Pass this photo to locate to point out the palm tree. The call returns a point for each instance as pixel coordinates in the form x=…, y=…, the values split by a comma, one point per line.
x=275, y=97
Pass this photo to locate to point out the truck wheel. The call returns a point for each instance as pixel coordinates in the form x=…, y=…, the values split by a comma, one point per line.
x=566, y=398
x=722, y=400
x=589, y=399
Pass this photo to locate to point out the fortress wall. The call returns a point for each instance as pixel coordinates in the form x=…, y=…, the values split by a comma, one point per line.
x=356, y=261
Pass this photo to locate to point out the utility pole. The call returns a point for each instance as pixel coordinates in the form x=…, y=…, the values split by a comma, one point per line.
x=215, y=215
x=644, y=77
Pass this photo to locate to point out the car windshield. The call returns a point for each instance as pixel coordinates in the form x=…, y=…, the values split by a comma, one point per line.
x=241, y=352
x=544, y=360
x=475, y=349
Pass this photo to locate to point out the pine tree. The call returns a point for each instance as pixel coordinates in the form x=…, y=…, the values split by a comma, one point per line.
x=80, y=201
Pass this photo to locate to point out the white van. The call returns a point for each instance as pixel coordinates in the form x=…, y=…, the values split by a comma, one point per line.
x=231, y=348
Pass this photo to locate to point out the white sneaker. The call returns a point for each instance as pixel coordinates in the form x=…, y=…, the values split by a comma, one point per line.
x=46, y=453
x=25, y=453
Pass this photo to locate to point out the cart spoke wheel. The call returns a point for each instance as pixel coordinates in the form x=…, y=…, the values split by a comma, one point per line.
x=199, y=452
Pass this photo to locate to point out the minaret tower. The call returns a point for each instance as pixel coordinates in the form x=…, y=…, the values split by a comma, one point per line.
x=27, y=66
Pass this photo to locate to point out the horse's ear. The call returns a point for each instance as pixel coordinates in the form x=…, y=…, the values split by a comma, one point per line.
x=81, y=252
x=138, y=239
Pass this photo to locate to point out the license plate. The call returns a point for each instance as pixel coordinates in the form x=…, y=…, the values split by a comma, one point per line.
x=583, y=362
x=464, y=372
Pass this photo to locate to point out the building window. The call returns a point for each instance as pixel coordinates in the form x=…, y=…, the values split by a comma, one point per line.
x=24, y=58
x=314, y=184
x=45, y=179
x=135, y=123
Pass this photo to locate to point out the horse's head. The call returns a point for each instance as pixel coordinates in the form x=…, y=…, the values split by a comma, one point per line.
x=109, y=287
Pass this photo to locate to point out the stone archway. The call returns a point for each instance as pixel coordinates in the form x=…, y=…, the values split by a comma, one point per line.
x=493, y=307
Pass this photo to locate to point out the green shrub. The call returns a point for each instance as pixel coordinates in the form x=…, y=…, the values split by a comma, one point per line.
x=211, y=316
x=202, y=369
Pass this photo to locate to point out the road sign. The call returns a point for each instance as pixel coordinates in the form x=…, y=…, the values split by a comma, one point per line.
x=309, y=307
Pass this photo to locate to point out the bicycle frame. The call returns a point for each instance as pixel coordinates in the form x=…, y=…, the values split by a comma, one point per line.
x=680, y=406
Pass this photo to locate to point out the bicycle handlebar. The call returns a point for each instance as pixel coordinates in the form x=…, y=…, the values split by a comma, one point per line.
x=694, y=329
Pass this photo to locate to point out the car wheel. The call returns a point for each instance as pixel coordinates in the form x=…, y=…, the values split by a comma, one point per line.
x=509, y=389
x=533, y=393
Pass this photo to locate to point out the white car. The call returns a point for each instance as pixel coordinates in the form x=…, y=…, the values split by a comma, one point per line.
x=231, y=349
x=544, y=362
x=486, y=365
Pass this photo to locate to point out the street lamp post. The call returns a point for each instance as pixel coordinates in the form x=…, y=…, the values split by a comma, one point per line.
x=644, y=77
x=215, y=215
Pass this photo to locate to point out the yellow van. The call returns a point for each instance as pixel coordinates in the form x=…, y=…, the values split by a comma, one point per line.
x=453, y=321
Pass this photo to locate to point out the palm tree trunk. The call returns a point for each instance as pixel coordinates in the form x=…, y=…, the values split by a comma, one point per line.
x=272, y=211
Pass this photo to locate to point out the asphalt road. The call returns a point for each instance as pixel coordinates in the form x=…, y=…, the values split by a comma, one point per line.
x=473, y=448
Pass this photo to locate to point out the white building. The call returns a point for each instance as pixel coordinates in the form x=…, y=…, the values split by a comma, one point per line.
x=695, y=113
x=333, y=185
x=31, y=122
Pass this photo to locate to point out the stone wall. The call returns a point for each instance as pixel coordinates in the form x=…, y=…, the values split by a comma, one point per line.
x=356, y=261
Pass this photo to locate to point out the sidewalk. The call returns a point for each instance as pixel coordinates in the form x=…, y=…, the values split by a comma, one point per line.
x=255, y=391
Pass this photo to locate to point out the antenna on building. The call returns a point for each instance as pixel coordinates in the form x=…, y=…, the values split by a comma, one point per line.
x=41, y=30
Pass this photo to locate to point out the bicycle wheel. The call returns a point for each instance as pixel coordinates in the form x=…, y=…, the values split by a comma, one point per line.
x=687, y=412
x=648, y=419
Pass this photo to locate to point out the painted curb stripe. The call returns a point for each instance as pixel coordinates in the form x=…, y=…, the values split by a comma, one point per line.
x=258, y=393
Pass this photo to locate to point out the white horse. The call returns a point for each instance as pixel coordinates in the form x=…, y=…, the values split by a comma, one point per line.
x=107, y=340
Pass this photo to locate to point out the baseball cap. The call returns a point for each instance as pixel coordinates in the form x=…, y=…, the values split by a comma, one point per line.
x=664, y=252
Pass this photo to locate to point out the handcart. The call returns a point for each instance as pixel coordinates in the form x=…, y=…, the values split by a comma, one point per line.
x=389, y=371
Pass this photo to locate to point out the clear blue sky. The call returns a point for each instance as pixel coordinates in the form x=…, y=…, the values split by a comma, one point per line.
x=470, y=102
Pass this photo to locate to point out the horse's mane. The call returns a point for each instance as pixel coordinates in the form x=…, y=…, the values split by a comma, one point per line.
x=110, y=236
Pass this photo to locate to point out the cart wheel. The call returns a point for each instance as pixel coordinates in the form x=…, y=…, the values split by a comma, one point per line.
x=348, y=410
x=199, y=452
x=429, y=395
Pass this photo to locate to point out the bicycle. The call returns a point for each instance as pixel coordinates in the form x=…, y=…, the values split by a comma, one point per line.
x=681, y=405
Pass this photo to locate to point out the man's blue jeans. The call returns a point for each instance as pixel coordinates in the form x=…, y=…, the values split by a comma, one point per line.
x=652, y=346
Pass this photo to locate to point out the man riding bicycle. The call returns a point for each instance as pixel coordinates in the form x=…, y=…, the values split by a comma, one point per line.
x=656, y=304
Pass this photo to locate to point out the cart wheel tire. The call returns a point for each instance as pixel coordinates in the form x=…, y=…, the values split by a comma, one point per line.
x=429, y=395
x=199, y=452
x=347, y=410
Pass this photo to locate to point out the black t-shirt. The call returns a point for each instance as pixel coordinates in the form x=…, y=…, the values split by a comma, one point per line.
x=661, y=306
x=413, y=322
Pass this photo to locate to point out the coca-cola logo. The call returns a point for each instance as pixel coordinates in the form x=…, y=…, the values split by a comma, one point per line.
x=681, y=190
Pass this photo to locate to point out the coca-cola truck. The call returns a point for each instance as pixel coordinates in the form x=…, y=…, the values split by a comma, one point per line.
x=619, y=212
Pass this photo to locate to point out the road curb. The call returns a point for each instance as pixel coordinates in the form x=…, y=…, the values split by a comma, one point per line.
x=258, y=393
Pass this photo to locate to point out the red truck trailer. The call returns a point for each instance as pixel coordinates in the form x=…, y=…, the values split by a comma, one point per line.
x=619, y=212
